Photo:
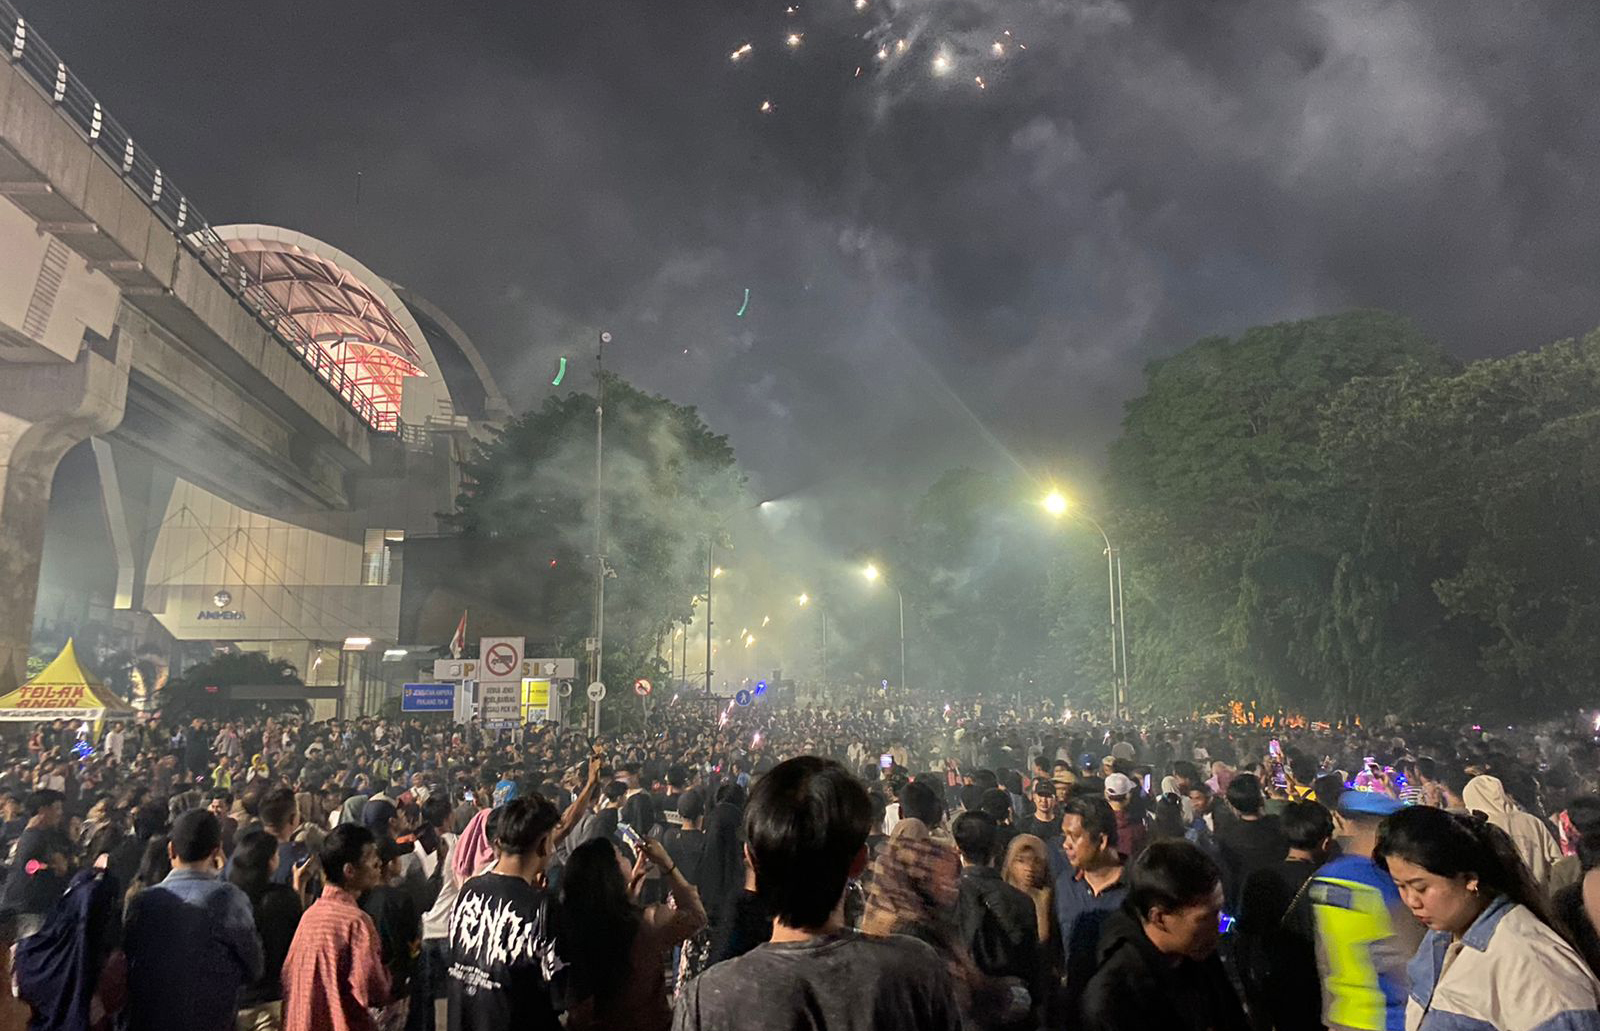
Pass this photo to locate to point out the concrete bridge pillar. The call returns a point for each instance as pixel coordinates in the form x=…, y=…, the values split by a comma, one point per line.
x=45, y=408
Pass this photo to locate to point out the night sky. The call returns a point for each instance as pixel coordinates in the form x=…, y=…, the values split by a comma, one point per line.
x=939, y=274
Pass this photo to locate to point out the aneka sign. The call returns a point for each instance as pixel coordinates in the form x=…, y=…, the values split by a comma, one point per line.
x=214, y=614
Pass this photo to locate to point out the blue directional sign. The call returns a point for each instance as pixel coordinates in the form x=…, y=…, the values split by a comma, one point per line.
x=427, y=697
x=743, y=697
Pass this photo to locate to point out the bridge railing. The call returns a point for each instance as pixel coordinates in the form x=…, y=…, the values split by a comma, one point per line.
x=113, y=144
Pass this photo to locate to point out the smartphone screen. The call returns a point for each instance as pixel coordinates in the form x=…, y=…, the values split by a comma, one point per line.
x=630, y=835
x=885, y=761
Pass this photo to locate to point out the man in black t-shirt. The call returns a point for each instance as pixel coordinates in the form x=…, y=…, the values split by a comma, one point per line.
x=1045, y=821
x=685, y=840
x=502, y=940
x=38, y=871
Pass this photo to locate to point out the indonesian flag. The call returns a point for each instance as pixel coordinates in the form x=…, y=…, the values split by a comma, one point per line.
x=459, y=641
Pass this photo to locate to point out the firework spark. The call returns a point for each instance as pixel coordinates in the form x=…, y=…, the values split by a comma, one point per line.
x=742, y=53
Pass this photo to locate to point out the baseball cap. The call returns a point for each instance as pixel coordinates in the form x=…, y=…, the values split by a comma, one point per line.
x=1119, y=785
x=1368, y=803
x=375, y=815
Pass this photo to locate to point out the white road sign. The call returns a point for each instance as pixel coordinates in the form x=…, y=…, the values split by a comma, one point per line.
x=501, y=658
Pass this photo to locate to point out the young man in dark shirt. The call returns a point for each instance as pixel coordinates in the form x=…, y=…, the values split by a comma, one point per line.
x=1277, y=952
x=502, y=938
x=38, y=872
x=806, y=832
x=998, y=926
x=1249, y=843
x=1045, y=821
x=1158, y=961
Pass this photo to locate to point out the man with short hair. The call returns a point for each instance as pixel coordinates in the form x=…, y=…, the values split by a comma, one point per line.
x=918, y=801
x=997, y=804
x=999, y=928
x=334, y=975
x=1158, y=962
x=1251, y=842
x=1201, y=825
x=219, y=802
x=806, y=831
x=1453, y=783
x=502, y=939
x=280, y=817
x=1277, y=954
x=191, y=940
x=38, y=872
x=1088, y=891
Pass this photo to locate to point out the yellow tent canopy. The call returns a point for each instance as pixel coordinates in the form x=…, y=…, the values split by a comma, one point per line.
x=63, y=690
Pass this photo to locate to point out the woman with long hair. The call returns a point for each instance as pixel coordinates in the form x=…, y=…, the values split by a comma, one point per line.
x=276, y=908
x=154, y=866
x=602, y=924
x=1492, y=956
x=721, y=872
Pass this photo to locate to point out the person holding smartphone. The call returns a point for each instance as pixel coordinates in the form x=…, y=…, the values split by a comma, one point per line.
x=616, y=947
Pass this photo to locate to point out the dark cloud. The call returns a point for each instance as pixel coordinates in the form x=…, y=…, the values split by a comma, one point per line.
x=939, y=273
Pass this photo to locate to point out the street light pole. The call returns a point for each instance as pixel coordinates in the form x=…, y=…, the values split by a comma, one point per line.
x=1057, y=505
x=872, y=573
x=599, y=524
x=711, y=574
x=1122, y=633
x=824, y=649
x=902, y=599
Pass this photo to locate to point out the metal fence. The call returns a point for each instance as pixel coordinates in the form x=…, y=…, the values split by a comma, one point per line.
x=29, y=53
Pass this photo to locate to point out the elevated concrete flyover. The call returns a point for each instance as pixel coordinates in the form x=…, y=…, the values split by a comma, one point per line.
x=124, y=314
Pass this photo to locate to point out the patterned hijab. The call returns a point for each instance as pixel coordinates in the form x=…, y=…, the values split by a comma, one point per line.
x=915, y=881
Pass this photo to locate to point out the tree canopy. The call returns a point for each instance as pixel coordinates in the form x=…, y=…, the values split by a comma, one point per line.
x=202, y=689
x=668, y=481
x=1333, y=516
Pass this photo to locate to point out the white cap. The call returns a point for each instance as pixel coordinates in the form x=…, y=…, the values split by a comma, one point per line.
x=1119, y=785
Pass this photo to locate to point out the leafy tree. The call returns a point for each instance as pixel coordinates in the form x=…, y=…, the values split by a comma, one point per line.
x=974, y=567
x=201, y=690
x=668, y=481
x=1480, y=488
x=1220, y=490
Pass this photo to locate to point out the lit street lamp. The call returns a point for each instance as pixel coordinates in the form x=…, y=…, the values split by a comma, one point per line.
x=803, y=601
x=873, y=575
x=1057, y=505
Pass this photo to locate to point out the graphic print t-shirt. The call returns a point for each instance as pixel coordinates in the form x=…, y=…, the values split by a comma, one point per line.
x=503, y=963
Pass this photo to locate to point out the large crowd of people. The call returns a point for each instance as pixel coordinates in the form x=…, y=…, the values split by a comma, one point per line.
x=979, y=865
